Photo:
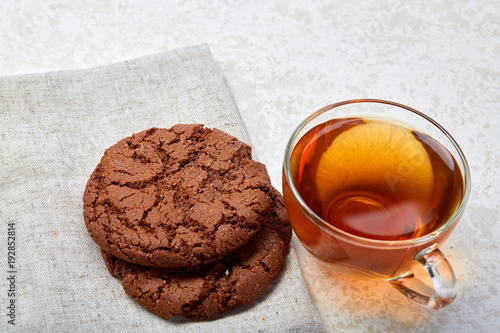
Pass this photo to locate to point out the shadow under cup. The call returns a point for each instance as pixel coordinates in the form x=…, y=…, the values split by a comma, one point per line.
x=391, y=259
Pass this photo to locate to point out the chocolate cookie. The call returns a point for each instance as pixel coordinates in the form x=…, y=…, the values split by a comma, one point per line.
x=176, y=197
x=205, y=290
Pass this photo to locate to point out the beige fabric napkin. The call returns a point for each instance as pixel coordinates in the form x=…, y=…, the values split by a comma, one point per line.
x=54, y=128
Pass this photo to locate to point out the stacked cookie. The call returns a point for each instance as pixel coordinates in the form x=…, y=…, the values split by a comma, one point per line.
x=187, y=221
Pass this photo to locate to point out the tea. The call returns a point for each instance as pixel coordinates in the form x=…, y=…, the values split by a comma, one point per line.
x=376, y=179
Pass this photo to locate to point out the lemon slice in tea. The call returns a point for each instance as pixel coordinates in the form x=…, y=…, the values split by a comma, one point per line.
x=375, y=155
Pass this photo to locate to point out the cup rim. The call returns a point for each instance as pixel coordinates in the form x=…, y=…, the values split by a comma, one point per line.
x=327, y=227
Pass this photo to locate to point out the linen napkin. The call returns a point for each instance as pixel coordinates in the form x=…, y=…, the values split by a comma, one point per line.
x=54, y=128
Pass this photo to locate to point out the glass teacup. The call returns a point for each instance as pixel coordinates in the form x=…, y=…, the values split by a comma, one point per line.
x=377, y=186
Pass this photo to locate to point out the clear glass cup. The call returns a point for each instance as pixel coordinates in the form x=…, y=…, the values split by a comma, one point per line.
x=393, y=260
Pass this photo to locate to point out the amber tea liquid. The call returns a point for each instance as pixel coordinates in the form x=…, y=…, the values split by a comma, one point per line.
x=375, y=179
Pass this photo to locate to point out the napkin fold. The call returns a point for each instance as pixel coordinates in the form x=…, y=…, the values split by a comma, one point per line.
x=54, y=128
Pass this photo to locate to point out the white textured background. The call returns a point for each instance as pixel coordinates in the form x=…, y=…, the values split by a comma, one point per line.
x=283, y=60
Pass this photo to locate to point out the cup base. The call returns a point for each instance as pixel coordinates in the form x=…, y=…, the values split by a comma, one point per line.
x=346, y=270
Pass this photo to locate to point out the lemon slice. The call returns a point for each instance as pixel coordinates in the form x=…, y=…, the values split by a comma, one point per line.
x=379, y=155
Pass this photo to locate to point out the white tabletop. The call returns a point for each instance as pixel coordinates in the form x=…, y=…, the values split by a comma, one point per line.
x=284, y=59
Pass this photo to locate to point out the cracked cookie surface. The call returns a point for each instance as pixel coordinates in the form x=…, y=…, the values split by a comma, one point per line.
x=217, y=287
x=175, y=197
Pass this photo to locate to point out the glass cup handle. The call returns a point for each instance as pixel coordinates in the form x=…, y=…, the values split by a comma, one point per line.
x=443, y=291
